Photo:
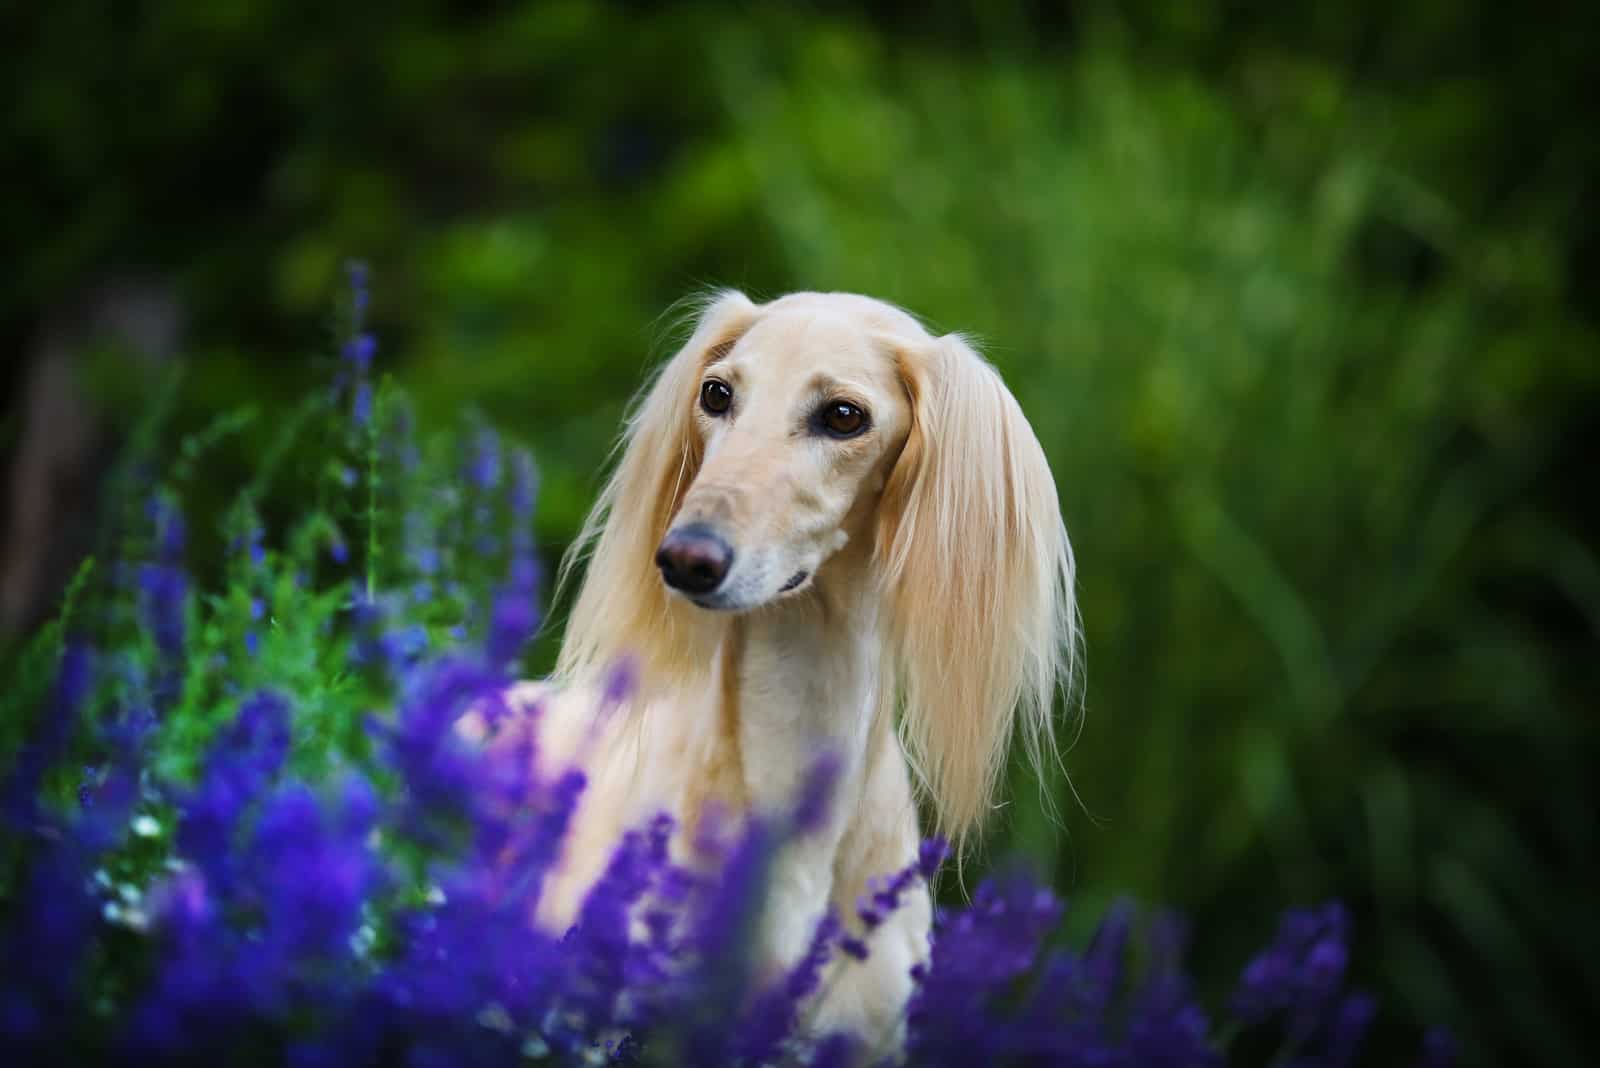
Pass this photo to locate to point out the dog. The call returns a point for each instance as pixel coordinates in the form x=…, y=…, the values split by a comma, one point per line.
x=828, y=530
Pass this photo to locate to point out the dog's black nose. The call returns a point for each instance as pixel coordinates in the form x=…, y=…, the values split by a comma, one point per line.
x=694, y=559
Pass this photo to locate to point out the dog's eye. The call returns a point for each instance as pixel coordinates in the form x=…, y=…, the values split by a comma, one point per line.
x=842, y=419
x=716, y=397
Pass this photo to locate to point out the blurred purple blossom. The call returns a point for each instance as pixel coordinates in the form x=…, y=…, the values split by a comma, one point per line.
x=359, y=351
x=281, y=890
x=483, y=460
x=812, y=807
x=60, y=717
x=171, y=533
x=361, y=404
x=1438, y=1049
x=622, y=679
x=524, y=487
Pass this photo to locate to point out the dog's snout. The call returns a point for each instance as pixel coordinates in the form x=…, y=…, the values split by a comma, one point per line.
x=694, y=559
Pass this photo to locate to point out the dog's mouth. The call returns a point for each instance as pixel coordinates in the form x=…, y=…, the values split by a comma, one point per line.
x=718, y=601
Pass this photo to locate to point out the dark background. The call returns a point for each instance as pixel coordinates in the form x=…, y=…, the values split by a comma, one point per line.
x=1298, y=297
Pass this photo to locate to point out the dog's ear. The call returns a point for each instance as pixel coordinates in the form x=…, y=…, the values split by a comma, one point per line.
x=979, y=579
x=622, y=608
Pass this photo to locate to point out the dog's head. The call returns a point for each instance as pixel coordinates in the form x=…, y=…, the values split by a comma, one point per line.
x=781, y=433
x=797, y=416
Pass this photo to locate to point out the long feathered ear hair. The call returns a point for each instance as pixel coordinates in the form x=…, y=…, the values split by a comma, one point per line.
x=622, y=608
x=979, y=580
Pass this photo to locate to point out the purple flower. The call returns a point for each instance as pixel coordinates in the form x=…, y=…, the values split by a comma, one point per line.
x=732, y=909
x=164, y=590
x=244, y=760
x=931, y=855
x=600, y=947
x=884, y=894
x=404, y=645
x=816, y=792
x=836, y=1051
x=1438, y=1049
x=1104, y=959
x=1325, y=965
x=361, y=406
x=483, y=464
x=976, y=955
x=171, y=534
x=1299, y=972
x=437, y=767
x=622, y=680
x=526, y=574
x=250, y=544
x=524, y=487
x=513, y=620
x=62, y=713
x=359, y=351
x=775, y=1011
x=1350, y=1025
x=312, y=873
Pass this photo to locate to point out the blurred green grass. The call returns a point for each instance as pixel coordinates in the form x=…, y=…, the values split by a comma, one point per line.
x=1314, y=398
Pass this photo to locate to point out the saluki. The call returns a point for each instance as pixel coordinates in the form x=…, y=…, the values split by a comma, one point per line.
x=828, y=528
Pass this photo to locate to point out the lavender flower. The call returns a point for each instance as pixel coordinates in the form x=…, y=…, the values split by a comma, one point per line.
x=244, y=760
x=1300, y=969
x=515, y=617
x=622, y=680
x=524, y=488
x=976, y=955
x=47, y=934
x=310, y=917
x=1438, y=1049
x=171, y=534
x=357, y=352
x=602, y=949
x=812, y=809
x=1349, y=1029
x=483, y=462
x=361, y=404
x=931, y=855
x=61, y=715
x=775, y=1011
x=164, y=590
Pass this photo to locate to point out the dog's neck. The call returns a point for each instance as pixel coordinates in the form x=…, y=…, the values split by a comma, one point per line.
x=737, y=728
x=803, y=678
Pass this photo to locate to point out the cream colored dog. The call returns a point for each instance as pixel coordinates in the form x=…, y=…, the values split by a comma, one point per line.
x=828, y=528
